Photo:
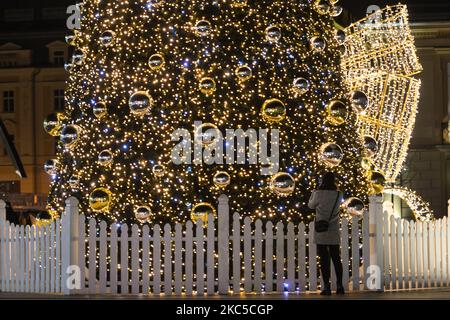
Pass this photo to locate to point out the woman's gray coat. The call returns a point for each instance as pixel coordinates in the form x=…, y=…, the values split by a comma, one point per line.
x=323, y=201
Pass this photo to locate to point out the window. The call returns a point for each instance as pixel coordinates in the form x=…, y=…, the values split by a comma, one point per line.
x=8, y=101
x=58, y=100
x=59, y=58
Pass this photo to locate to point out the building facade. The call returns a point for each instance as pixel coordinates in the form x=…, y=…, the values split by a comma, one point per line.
x=32, y=82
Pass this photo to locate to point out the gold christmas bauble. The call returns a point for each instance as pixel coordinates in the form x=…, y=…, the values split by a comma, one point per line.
x=206, y=133
x=360, y=101
x=159, y=171
x=366, y=164
x=44, y=218
x=78, y=57
x=70, y=135
x=283, y=184
x=244, y=73
x=156, y=61
x=322, y=7
x=273, y=110
x=336, y=11
x=222, y=179
x=301, y=85
x=354, y=206
x=68, y=67
x=71, y=39
x=318, y=44
x=370, y=146
x=100, y=200
x=207, y=85
x=51, y=166
x=203, y=28
x=337, y=113
x=201, y=211
x=53, y=124
x=273, y=33
x=74, y=182
x=377, y=181
x=239, y=3
x=340, y=36
x=140, y=103
x=331, y=154
x=107, y=38
x=100, y=110
x=143, y=214
x=105, y=158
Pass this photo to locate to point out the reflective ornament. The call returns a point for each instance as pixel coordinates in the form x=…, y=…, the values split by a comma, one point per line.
x=370, y=146
x=159, y=171
x=71, y=39
x=301, y=85
x=53, y=124
x=337, y=113
x=377, y=181
x=78, y=57
x=342, y=49
x=244, y=73
x=206, y=133
x=156, y=61
x=340, y=36
x=68, y=67
x=336, y=11
x=273, y=110
x=143, y=214
x=44, y=218
x=105, y=158
x=201, y=211
x=239, y=3
x=283, y=184
x=222, y=179
x=70, y=135
x=154, y=3
x=360, y=101
x=323, y=7
x=107, y=37
x=273, y=33
x=51, y=166
x=74, y=182
x=331, y=154
x=366, y=164
x=203, y=28
x=140, y=103
x=318, y=44
x=354, y=206
x=207, y=85
x=100, y=200
x=100, y=110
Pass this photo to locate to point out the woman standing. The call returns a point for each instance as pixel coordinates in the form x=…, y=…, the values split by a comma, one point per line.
x=326, y=201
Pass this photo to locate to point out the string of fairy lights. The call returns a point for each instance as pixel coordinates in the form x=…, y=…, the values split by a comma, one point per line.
x=143, y=69
x=381, y=61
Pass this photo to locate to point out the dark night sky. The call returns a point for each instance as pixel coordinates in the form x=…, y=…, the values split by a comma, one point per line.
x=420, y=10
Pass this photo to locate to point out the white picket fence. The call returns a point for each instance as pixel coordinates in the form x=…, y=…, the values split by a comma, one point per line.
x=230, y=255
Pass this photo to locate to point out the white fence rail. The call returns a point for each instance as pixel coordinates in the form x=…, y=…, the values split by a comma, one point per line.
x=230, y=255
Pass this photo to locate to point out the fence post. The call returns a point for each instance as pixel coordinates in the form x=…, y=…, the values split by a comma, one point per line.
x=2, y=235
x=70, y=270
x=376, y=244
x=223, y=244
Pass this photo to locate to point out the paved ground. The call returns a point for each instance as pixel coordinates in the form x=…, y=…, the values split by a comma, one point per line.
x=428, y=294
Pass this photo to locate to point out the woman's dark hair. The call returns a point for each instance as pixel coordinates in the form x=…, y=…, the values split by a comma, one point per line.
x=328, y=182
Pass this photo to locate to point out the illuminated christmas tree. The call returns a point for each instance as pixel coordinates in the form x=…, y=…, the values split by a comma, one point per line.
x=141, y=70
